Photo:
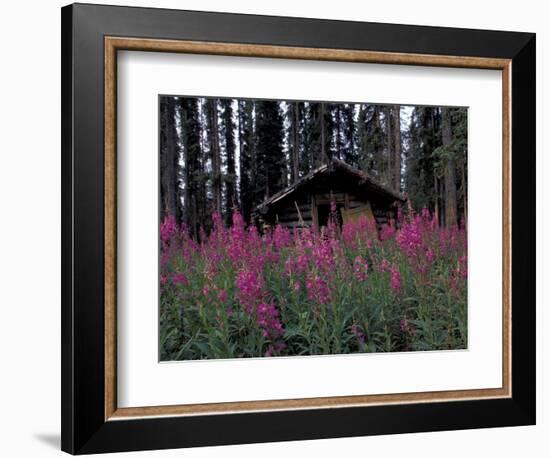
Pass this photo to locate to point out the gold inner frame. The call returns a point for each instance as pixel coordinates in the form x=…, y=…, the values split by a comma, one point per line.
x=114, y=44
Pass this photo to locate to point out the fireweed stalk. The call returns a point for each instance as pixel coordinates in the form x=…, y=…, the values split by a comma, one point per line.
x=238, y=293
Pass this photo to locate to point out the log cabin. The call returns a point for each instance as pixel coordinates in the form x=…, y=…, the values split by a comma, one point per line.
x=306, y=203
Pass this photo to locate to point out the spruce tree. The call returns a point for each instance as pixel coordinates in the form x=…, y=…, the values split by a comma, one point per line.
x=348, y=134
x=247, y=147
x=215, y=154
x=370, y=141
x=171, y=173
x=270, y=157
x=295, y=114
x=447, y=155
x=192, y=174
x=230, y=178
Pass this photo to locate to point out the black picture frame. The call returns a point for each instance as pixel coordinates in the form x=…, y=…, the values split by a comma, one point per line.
x=84, y=429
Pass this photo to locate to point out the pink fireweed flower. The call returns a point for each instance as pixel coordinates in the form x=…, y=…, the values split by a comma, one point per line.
x=348, y=233
x=253, y=236
x=218, y=236
x=237, y=220
x=179, y=279
x=359, y=231
x=206, y=291
x=430, y=256
x=249, y=289
x=237, y=243
x=409, y=238
x=268, y=321
x=323, y=255
x=166, y=254
x=395, y=279
x=302, y=262
x=289, y=267
x=317, y=290
x=217, y=223
x=281, y=237
x=384, y=265
x=189, y=248
x=388, y=231
x=443, y=238
x=425, y=214
x=360, y=268
x=351, y=234
x=168, y=228
x=210, y=270
x=222, y=295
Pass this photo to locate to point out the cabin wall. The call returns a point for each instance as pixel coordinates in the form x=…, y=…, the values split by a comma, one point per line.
x=300, y=211
x=293, y=213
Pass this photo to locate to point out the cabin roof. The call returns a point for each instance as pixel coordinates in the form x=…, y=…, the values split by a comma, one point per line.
x=335, y=164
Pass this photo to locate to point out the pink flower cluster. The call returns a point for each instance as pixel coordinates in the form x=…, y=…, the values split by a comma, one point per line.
x=168, y=228
x=260, y=274
x=317, y=289
x=352, y=231
x=179, y=279
x=409, y=238
x=360, y=268
x=395, y=279
x=269, y=322
x=249, y=289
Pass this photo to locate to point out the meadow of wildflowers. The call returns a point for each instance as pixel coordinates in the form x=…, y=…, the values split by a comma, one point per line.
x=239, y=293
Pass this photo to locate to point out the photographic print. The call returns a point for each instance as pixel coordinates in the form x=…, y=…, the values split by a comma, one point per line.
x=298, y=228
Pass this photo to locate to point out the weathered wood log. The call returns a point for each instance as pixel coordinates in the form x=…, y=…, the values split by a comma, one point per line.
x=295, y=224
x=294, y=216
x=327, y=198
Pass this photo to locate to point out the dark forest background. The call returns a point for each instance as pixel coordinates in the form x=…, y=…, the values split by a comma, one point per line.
x=220, y=155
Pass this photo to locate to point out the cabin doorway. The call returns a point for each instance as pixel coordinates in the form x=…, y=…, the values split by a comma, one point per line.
x=323, y=214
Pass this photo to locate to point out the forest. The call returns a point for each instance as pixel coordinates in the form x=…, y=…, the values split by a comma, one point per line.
x=219, y=155
x=232, y=288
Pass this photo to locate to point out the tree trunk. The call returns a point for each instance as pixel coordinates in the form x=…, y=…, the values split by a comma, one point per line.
x=295, y=142
x=324, y=157
x=228, y=129
x=378, y=153
x=188, y=175
x=338, y=132
x=449, y=171
x=397, y=147
x=243, y=163
x=215, y=156
x=203, y=208
x=389, y=169
x=163, y=159
x=169, y=176
x=192, y=172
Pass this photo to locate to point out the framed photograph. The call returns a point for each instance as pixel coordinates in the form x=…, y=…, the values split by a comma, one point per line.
x=281, y=229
